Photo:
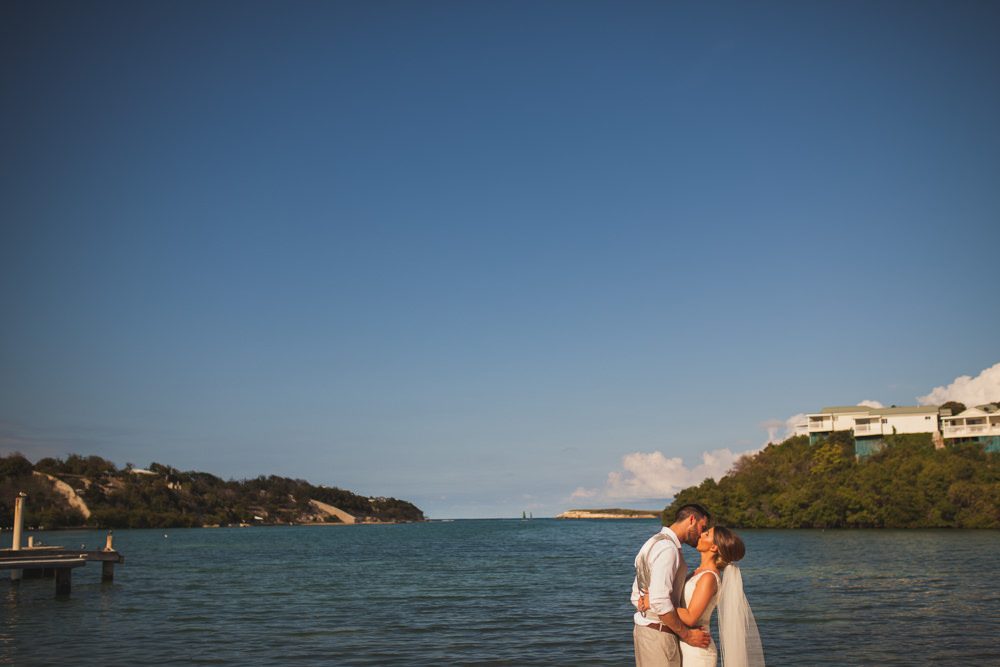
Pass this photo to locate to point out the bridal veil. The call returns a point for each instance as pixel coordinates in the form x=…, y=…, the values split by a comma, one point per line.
x=738, y=635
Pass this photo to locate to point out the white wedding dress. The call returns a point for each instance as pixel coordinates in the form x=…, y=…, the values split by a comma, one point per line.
x=690, y=655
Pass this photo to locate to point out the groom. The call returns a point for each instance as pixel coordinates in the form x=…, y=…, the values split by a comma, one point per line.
x=661, y=570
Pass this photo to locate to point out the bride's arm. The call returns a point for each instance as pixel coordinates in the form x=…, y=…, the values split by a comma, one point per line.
x=703, y=592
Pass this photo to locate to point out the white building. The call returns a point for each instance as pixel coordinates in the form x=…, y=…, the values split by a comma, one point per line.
x=828, y=420
x=869, y=426
x=881, y=422
x=887, y=421
x=980, y=424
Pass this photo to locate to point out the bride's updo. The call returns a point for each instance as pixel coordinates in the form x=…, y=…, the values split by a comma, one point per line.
x=731, y=548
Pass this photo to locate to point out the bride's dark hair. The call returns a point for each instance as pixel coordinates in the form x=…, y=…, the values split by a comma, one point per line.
x=731, y=547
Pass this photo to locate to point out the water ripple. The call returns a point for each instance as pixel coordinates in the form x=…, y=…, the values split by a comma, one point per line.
x=492, y=593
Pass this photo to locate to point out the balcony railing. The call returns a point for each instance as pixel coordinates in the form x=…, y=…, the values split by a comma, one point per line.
x=975, y=429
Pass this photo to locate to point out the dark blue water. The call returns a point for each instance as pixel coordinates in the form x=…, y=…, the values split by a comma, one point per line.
x=492, y=593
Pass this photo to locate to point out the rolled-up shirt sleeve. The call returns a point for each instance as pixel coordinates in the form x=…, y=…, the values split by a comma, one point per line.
x=662, y=569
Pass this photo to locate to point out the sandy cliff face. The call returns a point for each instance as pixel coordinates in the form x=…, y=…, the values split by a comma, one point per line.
x=330, y=510
x=67, y=492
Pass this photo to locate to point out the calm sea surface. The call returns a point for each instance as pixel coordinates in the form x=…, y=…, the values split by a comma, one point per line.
x=499, y=592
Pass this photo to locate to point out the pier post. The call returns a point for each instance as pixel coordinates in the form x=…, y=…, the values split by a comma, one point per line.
x=63, y=580
x=18, y=520
x=15, y=575
x=108, y=567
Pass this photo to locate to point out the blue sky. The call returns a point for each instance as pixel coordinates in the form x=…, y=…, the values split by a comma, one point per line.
x=476, y=254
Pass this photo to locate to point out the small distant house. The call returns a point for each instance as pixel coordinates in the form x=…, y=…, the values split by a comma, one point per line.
x=978, y=424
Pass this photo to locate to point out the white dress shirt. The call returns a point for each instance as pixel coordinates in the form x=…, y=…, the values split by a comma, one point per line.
x=667, y=573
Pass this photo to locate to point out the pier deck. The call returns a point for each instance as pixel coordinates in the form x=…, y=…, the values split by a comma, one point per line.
x=58, y=562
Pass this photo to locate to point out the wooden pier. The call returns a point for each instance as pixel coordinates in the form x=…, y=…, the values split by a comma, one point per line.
x=51, y=561
x=57, y=562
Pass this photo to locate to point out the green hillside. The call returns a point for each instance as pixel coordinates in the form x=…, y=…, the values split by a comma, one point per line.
x=909, y=484
x=161, y=497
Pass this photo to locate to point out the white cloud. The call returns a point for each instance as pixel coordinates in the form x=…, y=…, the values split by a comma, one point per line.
x=792, y=423
x=653, y=475
x=870, y=404
x=773, y=427
x=780, y=430
x=984, y=388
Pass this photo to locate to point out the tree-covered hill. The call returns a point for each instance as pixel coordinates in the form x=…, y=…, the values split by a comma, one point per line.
x=909, y=484
x=161, y=496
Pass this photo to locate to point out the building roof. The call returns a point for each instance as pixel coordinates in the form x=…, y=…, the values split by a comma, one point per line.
x=838, y=410
x=970, y=412
x=865, y=410
x=908, y=410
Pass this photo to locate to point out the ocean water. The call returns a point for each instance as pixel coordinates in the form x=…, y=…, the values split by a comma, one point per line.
x=491, y=592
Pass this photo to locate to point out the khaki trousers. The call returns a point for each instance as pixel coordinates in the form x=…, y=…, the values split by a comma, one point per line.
x=654, y=648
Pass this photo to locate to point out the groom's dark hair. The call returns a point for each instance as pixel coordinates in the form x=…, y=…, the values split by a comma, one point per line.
x=684, y=511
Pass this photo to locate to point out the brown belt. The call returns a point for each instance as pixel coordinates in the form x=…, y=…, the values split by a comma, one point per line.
x=659, y=626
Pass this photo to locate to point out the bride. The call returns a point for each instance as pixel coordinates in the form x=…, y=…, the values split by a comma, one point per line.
x=718, y=582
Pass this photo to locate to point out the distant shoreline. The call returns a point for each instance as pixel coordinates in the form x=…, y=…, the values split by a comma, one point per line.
x=610, y=514
x=208, y=526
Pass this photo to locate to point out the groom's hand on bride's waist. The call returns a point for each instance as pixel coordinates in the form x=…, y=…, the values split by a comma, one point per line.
x=697, y=637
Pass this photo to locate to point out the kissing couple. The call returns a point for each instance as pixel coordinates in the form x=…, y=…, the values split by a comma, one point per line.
x=673, y=610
